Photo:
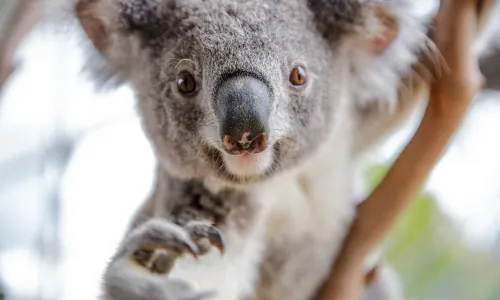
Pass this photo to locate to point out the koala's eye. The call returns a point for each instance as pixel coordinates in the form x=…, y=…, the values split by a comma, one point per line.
x=186, y=83
x=298, y=76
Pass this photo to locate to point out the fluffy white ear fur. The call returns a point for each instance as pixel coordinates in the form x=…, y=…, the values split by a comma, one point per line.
x=383, y=52
x=92, y=23
x=379, y=32
x=114, y=57
x=100, y=22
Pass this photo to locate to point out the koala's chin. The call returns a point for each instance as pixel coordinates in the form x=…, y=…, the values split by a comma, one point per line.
x=243, y=168
x=248, y=165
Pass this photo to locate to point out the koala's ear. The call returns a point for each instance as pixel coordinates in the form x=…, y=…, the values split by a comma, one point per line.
x=91, y=16
x=369, y=26
x=379, y=31
x=115, y=57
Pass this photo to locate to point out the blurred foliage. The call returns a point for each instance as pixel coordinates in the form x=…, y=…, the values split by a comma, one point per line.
x=434, y=261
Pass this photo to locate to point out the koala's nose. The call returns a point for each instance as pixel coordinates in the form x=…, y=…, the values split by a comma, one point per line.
x=242, y=107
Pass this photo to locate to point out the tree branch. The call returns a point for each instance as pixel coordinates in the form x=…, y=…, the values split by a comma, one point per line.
x=456, y=26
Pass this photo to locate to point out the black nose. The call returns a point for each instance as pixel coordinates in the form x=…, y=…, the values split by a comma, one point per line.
x=243, y=108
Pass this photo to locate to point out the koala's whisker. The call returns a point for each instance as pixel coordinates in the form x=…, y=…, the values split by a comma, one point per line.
x=170, y=79
x=174, y=62
x=208, y=123
x=210, y=117
x=183, y=60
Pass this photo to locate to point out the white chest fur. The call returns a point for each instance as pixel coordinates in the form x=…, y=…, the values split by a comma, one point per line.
x=309, y=214
x=313, y=200
x=232, y=274
x=316, y=200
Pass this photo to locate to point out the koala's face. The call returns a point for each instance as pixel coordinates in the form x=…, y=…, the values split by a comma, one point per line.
x=238, y=90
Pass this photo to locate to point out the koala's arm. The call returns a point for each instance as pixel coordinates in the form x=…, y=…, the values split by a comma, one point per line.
x=156, y=238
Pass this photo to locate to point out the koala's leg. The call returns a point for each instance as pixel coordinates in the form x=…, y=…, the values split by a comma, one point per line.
x=148, y=253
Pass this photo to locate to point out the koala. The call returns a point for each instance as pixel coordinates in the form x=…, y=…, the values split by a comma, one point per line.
x=257, y=112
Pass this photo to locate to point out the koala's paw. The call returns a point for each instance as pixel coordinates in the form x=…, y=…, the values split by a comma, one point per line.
x=158, y=243
x=121, y=284
x=149, y=252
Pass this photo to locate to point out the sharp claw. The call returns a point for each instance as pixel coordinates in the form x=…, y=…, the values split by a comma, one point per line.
x=217, y=240
x=199, y=230
x=191, y=248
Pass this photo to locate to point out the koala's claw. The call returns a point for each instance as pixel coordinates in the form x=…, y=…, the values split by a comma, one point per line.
x=157, y=244
x=154, y=247
x=205, y=236
x=159, y=259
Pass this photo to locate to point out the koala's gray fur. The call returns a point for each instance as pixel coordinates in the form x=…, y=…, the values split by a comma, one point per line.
x=282, y=223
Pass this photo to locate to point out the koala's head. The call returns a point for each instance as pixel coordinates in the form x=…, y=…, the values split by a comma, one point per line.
x=236, y=89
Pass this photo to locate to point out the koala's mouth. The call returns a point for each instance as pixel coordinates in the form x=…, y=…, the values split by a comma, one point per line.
x=242, y=169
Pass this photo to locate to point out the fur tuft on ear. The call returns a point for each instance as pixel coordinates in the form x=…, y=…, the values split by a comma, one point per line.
x=389, y=73
x=381, y=29
x=98, y=21
x=383, y=52
x=380, y=41
x=92, y=23
x=123, y=33
x=335, y=18
x=117, y=50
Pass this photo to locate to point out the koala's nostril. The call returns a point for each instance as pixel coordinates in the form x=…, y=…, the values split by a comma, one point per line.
x=230, y=144
x=244, y=145
x=259, y=144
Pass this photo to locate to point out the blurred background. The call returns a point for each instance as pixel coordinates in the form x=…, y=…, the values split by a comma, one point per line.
x=74, y=165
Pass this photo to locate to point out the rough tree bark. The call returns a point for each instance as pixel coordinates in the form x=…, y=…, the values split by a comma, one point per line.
x=456, y=26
